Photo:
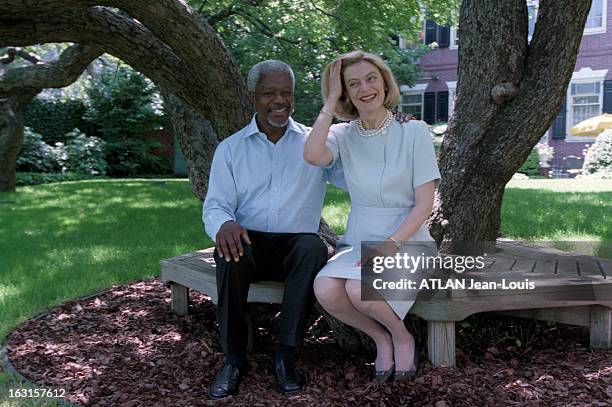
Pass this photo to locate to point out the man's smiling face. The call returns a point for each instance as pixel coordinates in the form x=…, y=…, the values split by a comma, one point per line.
x=274, y=99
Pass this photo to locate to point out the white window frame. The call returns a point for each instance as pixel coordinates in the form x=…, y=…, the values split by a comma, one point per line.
x=453, y=38
x=585, y=75
x=418, y=89
x=424, y=25
x=535, y=3
x=452, y=90
x=587, y=31
x=604, y=17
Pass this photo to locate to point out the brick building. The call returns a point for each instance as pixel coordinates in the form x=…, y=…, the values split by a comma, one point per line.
x=589, y=93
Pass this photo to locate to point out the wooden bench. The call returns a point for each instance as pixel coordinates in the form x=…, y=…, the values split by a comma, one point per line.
x=571, y=289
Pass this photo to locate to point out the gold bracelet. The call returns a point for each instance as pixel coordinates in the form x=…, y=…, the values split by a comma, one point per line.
x=327, y=113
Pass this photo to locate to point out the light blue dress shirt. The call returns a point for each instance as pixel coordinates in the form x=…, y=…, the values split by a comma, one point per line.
x=265, y=186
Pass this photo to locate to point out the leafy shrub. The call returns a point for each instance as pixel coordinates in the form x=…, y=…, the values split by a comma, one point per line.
x=438, y=131
x=36, y=178
x=531, y=166
x=80, y=154
x=546, y=154
x=53, y=119
x=36, y=155
x=123, y=104
x=133, y=157
x=598, y=157
x=83, y=154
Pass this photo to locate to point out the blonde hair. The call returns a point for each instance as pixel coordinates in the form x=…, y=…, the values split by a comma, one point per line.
x=345, y=109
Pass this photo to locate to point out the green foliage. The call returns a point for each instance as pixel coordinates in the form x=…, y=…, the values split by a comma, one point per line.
x=80, y=154
x=531, y=166
x=598, y=158
x=53, y=118
x=133, y=157
x=36, y=155
x=123, y=104
x=307, y=35
x=36, y=178
x=83, y=154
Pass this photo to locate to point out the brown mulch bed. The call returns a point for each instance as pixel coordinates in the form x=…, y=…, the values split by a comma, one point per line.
x=125, y=347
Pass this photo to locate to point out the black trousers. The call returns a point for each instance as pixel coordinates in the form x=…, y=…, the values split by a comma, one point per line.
x=294, y=258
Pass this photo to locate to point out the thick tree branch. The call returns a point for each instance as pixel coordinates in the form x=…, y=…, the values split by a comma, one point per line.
x=129, y=39
x=55, y=74
x=545, y=62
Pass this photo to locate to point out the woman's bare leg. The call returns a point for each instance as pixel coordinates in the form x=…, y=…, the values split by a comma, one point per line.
x=332, y=296
x=403, y=341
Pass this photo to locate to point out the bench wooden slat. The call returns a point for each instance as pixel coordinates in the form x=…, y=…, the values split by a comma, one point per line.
x=567, y=267
x=589, y=268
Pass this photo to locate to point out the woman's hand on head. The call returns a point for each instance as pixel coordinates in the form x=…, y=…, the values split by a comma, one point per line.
x=335, y=82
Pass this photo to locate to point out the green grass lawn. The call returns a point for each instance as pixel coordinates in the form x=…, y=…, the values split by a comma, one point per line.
x=541, y=209
x=61, y=241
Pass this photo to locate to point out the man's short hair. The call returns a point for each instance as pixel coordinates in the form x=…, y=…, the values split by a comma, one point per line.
x=264, y=67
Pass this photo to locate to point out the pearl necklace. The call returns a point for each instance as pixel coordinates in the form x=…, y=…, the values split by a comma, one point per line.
x=383, y=126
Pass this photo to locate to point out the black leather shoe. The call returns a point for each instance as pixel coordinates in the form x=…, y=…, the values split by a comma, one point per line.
x=288, y=380
x=226, y=383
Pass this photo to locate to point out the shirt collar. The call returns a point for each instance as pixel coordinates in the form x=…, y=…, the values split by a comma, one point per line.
x=252, y=127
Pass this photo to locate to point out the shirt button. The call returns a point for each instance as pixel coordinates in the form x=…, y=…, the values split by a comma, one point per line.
x=275, y=189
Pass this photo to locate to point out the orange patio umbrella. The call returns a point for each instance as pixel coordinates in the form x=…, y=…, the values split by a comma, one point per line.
x=592, y=126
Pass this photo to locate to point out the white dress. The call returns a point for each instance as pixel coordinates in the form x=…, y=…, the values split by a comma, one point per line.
x=381, y=174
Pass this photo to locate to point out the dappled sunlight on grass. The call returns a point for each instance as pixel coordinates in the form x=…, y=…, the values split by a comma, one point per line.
x=563, y=185
x=336, y=209
x=529, y=213
x=550, y=215
x=7, y=291
x=69, y=239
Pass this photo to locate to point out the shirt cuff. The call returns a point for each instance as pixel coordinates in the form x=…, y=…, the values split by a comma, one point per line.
x=212, y=224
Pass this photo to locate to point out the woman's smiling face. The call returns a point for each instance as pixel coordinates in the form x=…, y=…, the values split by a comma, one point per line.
x=365, y=86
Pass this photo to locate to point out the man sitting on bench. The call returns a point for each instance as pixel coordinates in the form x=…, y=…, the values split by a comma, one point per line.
x=262, y=210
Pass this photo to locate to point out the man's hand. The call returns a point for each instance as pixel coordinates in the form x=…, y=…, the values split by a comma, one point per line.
x=229, y=240
x=403, y=117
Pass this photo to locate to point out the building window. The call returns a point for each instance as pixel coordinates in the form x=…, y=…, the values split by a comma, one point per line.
x=596, y=21
x=595, y=24
x=412, y=103
x=585, y=101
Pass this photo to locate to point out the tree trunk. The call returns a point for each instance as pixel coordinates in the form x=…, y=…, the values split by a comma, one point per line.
x=509, y=92
x=197, y=139
x=11, y=136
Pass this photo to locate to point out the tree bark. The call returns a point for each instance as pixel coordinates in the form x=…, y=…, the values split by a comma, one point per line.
x=11, y=136
x=197, y=139
x=509, y=92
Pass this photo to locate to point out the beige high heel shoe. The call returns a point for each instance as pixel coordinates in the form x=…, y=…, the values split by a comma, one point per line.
x=382, y=376
x=407, y=374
